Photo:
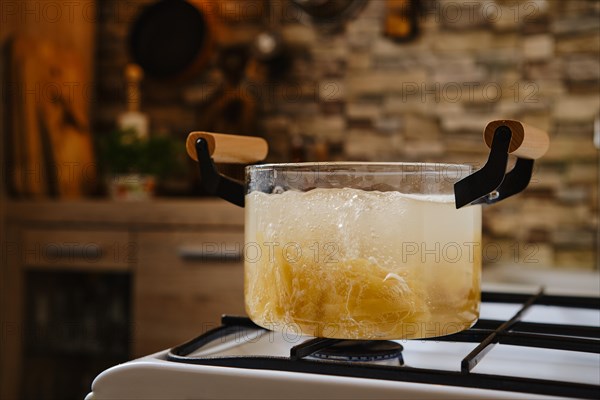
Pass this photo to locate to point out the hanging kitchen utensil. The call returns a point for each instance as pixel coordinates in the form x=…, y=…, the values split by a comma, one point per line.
x=328, y=15
x=491, y=183
x=234, y=107
x=402, y=19
x=268, y=44
x=232, y=61
x=271, y=57
x=172, y=39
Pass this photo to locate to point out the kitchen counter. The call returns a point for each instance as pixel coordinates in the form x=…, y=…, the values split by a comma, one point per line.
x=153, y=212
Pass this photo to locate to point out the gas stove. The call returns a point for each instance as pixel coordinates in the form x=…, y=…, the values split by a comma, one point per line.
x=526, y=344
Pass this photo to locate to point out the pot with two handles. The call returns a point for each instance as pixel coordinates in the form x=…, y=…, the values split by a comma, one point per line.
x=365, y=250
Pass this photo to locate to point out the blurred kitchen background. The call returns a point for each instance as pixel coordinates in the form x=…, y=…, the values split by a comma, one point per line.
x=99, y=96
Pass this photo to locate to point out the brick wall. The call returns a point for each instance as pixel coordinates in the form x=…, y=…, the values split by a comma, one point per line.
x=357, y=95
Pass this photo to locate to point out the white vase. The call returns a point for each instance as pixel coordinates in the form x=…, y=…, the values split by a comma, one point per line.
x=131, y=187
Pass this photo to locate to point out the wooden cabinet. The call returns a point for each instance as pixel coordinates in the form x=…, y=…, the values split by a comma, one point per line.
x=184, y=281
x=78, y=249
x=180, y=263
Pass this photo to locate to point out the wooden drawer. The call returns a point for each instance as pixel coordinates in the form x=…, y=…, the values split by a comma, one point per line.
x=184, y=282
x=77, y=249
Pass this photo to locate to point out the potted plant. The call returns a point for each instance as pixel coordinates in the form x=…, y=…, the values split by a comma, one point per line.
x=133, y=165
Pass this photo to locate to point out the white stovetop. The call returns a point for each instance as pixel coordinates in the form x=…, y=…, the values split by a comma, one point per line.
x=153, y=377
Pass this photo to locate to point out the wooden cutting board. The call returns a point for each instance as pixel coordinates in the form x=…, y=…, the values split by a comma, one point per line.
x=25, y=171
x=67, y=123
x=51, y=143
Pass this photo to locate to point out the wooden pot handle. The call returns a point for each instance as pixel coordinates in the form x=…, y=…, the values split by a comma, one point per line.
x=232, y=149
x=526, y=142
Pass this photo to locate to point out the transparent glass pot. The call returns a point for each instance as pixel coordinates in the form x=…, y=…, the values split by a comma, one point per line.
x=361, y=250
x=366, y=250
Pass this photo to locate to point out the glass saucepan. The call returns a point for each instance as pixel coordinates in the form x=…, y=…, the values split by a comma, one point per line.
x=361, y=250
x=355, y=250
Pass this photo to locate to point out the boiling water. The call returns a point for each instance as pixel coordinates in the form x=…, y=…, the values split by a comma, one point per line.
x=347, y=263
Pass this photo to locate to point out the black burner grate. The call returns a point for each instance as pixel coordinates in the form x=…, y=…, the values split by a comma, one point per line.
x=485, y=332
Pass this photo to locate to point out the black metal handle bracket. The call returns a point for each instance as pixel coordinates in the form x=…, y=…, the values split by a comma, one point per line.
x=215, y=183
x=491, y=183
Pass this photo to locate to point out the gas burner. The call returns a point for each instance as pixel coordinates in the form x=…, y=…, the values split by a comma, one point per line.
x=372, y=351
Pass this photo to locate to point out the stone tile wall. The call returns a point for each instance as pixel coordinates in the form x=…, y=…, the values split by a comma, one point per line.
x=358, y=95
